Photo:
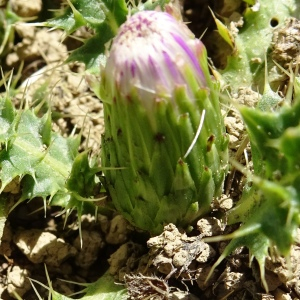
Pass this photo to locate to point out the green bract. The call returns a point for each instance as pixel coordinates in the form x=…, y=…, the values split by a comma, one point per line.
x=164, y=151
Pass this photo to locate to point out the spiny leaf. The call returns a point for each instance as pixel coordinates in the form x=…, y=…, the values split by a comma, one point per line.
x=223, y=31
x=103, y=289
x=270, y=211
x=48, y=165
x=91, y=13
x=103, y=16
x=245, y=66
x=150, y=5
x=29, y=149
x=92, y=52
x=80, y=185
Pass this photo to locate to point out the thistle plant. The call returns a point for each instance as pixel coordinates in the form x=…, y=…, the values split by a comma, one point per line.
x=164, y=151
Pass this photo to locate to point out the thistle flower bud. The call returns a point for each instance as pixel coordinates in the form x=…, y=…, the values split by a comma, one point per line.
x=154, y=53
x=164, y=149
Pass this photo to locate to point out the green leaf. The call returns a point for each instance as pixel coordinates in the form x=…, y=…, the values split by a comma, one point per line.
x=223, y=31
x=4, y=200
x=150, y=5
x=92, y=52
x=251, y=2
x=48, y=165
x=245, y=66
x=80, y=184
x=30, y=150
x=103, y=289
x=91, y=13
x=82, y=177
x=7, y=21
x=103, y=16
x=270, y=210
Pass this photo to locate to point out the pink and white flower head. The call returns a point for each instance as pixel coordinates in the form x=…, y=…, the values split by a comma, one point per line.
x=154, y=53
